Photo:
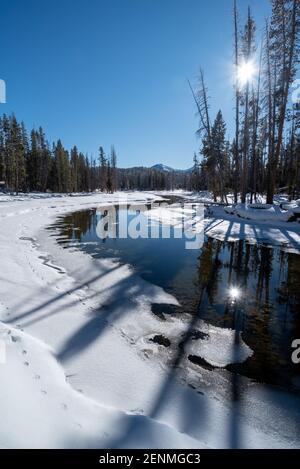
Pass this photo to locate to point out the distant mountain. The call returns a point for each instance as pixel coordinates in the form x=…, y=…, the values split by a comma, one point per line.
x=162, y=167
x=168, y=169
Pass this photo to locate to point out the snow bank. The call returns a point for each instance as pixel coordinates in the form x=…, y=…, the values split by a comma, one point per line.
x=254, y=225
x=220, y=346
x=266, y=224
x=40, y=410
x=79, y=371
x=259, y=212
x=262, y=212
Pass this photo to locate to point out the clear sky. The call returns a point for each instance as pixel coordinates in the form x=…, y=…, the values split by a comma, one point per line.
x=102, y=72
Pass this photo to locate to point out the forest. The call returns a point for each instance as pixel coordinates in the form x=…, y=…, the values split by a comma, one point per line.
x=262, y=158
x=143, y=306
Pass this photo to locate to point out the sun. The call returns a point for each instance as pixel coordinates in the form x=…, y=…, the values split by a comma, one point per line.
x=234, y=293
x=246, y=72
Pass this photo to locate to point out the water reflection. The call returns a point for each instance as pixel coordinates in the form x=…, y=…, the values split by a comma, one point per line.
x=267, y=312
x=252, y=289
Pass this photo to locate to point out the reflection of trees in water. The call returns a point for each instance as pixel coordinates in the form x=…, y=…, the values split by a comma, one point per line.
x=289, y=287
x=268, y=310
x=77, y=225
x=209, y=268
x=259, y=332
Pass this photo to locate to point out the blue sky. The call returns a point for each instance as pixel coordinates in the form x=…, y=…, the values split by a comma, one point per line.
x=102, y=72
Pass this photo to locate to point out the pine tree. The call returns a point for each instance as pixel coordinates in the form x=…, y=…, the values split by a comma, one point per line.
x=74, y=169
x=33, y=162
x=248, y=51
x=217, y=156
x=17, y=155
x=283, y=41
x=2, y=152
x=236, y=145
x=45, y=161
x=63, y=169
x=103, y=170
x=114, y=174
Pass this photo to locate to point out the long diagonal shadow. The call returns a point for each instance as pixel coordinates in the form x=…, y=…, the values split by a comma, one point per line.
x=58, y=297
x=102, y=318
x=292, y=241
x=68, y=305
x=161, y=398
x=234, y=432
x=95, y=327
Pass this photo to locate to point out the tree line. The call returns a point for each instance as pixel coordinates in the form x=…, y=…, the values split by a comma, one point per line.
x=264, y=155
x=142, y=178
x=30, y=163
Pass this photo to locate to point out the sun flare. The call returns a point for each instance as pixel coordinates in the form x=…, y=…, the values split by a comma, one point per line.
x=246, y=72
x=234, y=293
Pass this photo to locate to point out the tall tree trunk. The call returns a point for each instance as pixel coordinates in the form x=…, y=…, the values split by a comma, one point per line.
x=237, y=106
x=283, y=106
x=256, y=100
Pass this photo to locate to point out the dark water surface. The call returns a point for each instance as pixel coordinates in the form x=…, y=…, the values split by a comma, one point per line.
x=267, y=310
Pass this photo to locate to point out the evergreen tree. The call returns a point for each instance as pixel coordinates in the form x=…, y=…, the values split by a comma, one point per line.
x=282, y=53
x=63, y=169
x=103, y=170
x=216, y=156
x=74, y=175
x=114, y=174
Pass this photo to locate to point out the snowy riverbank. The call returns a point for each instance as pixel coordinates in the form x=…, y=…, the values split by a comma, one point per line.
x=77, y=371
x=255, y=223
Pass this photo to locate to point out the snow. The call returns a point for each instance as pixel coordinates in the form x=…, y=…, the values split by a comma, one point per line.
x=262, y=212
x=49, y=413
x=264, y=226
x=80, y=370
x=267, y=224
x=173, y=215
x=219, y=348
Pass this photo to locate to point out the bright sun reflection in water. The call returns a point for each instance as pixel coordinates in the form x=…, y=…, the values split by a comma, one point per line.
x=246, y=72
x=234, y=293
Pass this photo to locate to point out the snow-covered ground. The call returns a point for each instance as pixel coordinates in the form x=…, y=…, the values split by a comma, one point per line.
x=268, y=225
x=78, y=370
x=257, y=227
